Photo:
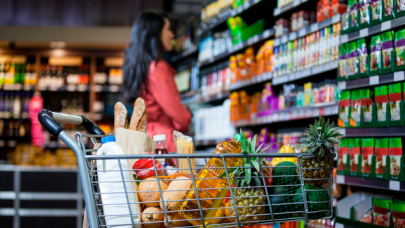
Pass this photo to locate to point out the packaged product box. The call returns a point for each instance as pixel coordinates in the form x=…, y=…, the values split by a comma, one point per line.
x=326, y=9
x=355, y=109
x=250, y=62
x=382, y=106
x=343, y=157
x=388, y=61
x=400, y=8
x=244, y=107
x=376, y=11
x=344, y=109
x=234, y=69
x=354, y=14
x=338, y=8
x=342, y=76
x=260, y=60
x=345, y=21
x=303, y=19
x=397, y=209
x=352, y=60
x=294, y=22
x=364, y=59
x=268, y=55
x=381, y=158
x=364, y=11
x=276, y=62
x=389, y=10
x=254, y=105
x=355, y=153
x=319, y=11
x=396, y=105
x=375, y=55
x=234, y=98
x=368, y=111
x=400, y=50
x=381, y=212
x=367, y=155
x=290, y=56
x=242, y=68
x=396, y=162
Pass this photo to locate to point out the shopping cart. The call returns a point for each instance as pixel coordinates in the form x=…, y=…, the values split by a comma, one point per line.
x=277, y=207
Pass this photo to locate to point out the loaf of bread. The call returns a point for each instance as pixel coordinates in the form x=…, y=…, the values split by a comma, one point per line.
x=120, y=115
x=139, y=111
x=142, y=123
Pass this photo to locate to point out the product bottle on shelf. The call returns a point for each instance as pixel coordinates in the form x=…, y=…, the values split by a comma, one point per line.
x=210, y=173
x=160, y=142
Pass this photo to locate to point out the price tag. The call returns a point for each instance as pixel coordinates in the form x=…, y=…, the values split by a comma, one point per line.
x=97, y=88
x=395, y=185
x=321, y=112
x=211, y=60
x=340, y=179
x=301, y=113
x=315, y=113
x=53, y=88
x=114, y=88
x=256, y=1
x=336, y=19
x=374, y=80
x=277, y=42
x=255, y=38
x=27, y=87
x=293, y=36
x=296, y=3
x=71, y=88
x=305, y=73
x=246, y=5
x=284, y=39
x=342, y=85
x=344, y=38
x=82, y=88
x=294, y=114
x=266, y=33
x=12, y=143
x=399, y=76
x=363, y=32
x=239, y=9
x=276, y=11
x=386, y=25
x=275, y=117
x=233, y=13
x=342, y=131
x=314, y=27
x=308, y=113
x=302, y=32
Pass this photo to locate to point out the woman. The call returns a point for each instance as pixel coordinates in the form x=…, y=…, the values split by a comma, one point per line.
x=147, y=75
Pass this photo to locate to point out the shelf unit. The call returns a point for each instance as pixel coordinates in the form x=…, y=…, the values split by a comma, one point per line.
x=284, y=9
x=372, y=81
x=371, y=183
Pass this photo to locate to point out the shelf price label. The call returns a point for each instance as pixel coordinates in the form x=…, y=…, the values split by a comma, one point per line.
x=302, y=32
x=314, y=27
x=71, y=88
x=301, y=113
x=399, y=76
x=266, y=33
x=364, y=32
x=275, y=117
x=114, y=88
x=395, y=185
x=340, y=179
x=374, y=80
x=386, y=25
x=342, y=85
x=308, y=113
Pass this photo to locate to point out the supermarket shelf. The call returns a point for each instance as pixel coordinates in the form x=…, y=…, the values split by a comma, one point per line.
x=216, y=97
x=348, y=223
x=305, y=73
x=185, y=54
x=279, y=11
x=236, y=48
x=66, y=88
x=233, y=13
x=373, y=132
x=211, y=142
x=188, y=94
x=372, y=81
x=17, y=87
x=305, y=31
x=387, y=25
x=252, y=81
x=371, y=183
x=326, y=109
x=106, y=88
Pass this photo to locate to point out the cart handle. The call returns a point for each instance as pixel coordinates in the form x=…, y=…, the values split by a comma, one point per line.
x=50, y=121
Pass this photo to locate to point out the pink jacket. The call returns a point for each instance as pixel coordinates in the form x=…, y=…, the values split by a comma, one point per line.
x=165, y=110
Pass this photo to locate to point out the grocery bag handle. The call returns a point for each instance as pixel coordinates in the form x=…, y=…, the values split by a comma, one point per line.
x=51, y=122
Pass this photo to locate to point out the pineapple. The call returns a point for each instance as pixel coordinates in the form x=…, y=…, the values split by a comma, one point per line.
x=247, y=180
x=319, y=140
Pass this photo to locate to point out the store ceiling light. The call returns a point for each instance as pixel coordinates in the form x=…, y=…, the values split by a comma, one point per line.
x=59, y=44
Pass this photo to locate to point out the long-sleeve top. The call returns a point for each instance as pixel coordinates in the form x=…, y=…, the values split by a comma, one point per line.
x=165, y=110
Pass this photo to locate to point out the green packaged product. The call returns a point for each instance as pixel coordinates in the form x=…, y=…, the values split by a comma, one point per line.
x=400, y=50
x=352, y=60
x=364, y=11
x=343, y=154
x=367, y=108
x=376, y=11
x=354, y=14
x=355, y=153
x=344, y=109
x=387, y=52
x=396, y=104
x=381, y=158
x=382, y=106
x=389, y=12
x=367, y=153
x=381, y=212
x=342, y=75
x=364, y=58
x=355, y=109
x=397, y=209
x=345, y=22
x=400, y=8
x=375, y=55
x=396, y=164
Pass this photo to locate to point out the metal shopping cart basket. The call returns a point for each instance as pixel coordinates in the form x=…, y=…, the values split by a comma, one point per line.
x=289, y=200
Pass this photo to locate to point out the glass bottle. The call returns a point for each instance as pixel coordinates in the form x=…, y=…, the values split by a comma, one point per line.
x=160, y=142
x=209, y=185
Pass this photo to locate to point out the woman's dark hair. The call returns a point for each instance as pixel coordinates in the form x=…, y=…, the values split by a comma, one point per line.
x=146, y=46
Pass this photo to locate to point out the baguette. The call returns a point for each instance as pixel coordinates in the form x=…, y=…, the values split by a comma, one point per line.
x=139, y=110
x=120, y=115
x=142, y=123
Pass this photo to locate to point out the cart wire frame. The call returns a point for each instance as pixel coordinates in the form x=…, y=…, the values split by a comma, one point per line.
x=87, y=159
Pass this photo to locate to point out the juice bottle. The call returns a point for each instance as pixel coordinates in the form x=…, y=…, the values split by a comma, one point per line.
x=208, y=188
x=160, y=141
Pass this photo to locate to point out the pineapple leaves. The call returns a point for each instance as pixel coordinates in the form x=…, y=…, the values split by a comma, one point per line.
x=248, y=173
x=253, y=143
x=255, y=164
